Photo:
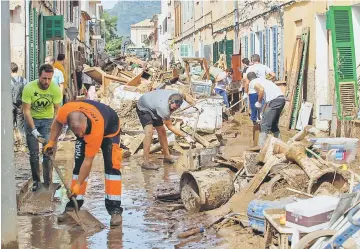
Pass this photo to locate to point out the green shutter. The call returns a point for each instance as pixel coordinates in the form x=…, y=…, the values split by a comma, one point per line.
x=53, y=28
x=31, y=47
x=340, y=21
x=36, y=43
x=215, y=52
x=229, y=52
x=42, y=42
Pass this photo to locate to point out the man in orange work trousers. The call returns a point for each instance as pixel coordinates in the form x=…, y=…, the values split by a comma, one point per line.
x=96, y=126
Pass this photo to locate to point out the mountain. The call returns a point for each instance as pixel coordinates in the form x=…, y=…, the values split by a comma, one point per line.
x=131, y=12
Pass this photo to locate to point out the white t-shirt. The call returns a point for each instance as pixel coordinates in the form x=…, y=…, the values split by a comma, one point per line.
x=271, y=90
x=260, y=70
x=58, y=76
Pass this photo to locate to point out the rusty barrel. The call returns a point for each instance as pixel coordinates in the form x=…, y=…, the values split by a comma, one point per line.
x=207, y=189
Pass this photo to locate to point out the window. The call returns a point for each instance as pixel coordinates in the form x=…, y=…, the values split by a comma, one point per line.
x=246, y=47
x=275, y=69
x=185, y=50
x=143, y=37
x=165, y=25
x=252, y=44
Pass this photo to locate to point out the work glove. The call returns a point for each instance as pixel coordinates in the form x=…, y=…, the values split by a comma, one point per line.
x=35, y=133
x=75, y=190
x=245, y=96
x=200, y=109
x=258, y=105
x=49, y=148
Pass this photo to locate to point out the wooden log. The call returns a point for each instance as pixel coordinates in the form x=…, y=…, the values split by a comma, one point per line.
x=197, y=137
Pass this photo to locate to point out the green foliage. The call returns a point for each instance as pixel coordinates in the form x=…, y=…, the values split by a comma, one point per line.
x=113, y=41
x=110, y=29
x=113, y=47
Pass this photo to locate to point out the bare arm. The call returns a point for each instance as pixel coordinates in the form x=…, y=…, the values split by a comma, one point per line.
x=56, y=109
x=85, y=169
x=27, y=114
x=260, y=91
x=172, y=128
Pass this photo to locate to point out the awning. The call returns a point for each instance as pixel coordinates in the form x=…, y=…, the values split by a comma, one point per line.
x=85, y=15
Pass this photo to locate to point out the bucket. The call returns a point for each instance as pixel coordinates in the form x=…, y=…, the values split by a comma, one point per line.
x=207, y=189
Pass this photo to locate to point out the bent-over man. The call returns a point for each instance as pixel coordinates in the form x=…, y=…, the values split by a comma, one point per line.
x=154, y=110
x=96, y=126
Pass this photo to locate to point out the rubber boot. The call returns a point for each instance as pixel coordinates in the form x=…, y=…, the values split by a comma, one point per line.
x=35, y=171
x=277, y=134
x=262, y=139
x=47, y=172
x=116, y=220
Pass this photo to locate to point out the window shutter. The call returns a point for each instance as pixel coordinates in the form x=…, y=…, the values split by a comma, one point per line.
x=53, y=28
x=275, y=50
x=246, y=44
x=340, y=21
x=267, y=47
x=261, y=47
x=229, y=52
x=252, y=44
x=215, y=52
x=42, y=42
x=36, y=43
x=31, y=47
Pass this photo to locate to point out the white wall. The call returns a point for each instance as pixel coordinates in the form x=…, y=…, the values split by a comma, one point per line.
x=321, y=71
x=136, y=33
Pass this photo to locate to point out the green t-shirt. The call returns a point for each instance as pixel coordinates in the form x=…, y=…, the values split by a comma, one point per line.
x=42, y=101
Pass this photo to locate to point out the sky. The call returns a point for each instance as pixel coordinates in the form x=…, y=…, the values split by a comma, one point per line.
x=108, y=4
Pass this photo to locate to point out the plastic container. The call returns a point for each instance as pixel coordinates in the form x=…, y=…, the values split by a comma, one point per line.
x=201, y=87
x=340, y=149
x=312, y=214
x=256, y=208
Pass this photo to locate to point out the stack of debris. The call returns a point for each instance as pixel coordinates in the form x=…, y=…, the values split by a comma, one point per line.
x=280, y=174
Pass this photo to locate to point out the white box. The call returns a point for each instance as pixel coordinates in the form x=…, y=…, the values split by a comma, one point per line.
x=311, y=214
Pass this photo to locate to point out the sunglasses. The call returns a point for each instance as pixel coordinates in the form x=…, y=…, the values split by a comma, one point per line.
x=177, y=102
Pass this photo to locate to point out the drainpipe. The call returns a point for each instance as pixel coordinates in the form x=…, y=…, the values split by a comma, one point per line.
x=236, y=27
x=27, y=42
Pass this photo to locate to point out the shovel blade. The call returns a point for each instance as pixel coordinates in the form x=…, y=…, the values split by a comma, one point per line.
x=86, y=221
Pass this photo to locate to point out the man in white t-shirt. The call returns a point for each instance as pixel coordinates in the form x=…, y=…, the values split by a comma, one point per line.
x=261, y=72
x=275, y=102
x=58, y=76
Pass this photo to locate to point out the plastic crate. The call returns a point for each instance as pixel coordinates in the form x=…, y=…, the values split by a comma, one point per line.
x=256, y=208
x=201, y=87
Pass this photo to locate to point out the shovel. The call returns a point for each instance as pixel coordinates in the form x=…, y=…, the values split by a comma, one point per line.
x=76, y=217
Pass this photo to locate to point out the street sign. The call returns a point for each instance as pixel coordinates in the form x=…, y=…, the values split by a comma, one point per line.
x=72, y=33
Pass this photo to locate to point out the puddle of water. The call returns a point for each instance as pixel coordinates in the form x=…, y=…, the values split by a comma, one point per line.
x=146, y=223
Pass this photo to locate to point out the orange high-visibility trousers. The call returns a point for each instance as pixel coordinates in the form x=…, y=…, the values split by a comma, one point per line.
x=112, y=154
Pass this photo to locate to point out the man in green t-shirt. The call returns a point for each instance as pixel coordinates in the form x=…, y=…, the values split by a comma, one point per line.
x=41, y=100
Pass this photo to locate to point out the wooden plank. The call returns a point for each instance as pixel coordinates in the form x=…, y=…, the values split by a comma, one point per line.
x=136, y=81
x=294, y=85
x=291, y=81
x=299, y=86
x=304, y=115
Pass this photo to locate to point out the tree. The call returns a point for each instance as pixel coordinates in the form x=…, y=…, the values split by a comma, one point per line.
x=110, y=26
x=113, y=41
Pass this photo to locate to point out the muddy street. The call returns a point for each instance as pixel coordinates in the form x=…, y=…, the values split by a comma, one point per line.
x=147, y=223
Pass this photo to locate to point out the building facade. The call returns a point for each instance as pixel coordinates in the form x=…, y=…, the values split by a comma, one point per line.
x=270, y=28
x=140, y=32
x=38, y=29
